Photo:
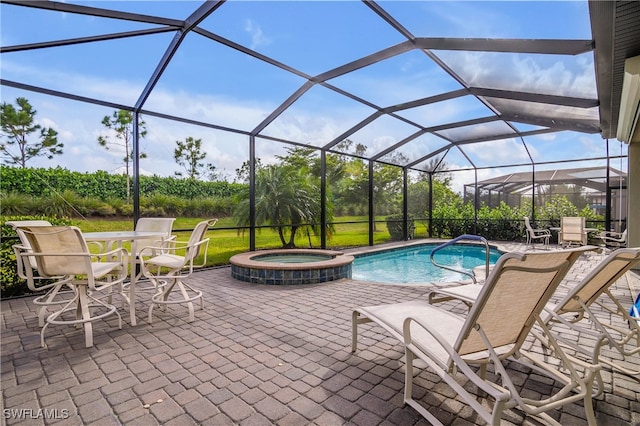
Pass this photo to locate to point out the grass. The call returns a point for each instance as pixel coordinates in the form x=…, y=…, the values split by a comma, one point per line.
x=350, y=231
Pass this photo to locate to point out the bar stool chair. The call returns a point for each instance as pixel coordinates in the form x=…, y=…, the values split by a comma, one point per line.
x=169, y=269
x=63, y=251
x=53, y=287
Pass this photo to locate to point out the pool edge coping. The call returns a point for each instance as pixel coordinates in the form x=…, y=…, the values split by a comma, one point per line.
x=339, y=258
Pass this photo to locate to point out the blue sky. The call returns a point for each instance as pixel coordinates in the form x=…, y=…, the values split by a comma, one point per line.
x=210, y=82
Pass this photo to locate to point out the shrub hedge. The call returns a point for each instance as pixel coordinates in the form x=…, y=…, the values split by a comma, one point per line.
x=61, y=193
x=38, y=182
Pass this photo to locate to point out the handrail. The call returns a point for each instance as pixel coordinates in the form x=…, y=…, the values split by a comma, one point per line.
x=455, y=240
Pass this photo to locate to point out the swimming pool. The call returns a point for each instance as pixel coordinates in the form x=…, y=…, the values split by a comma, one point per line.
x=411, y=265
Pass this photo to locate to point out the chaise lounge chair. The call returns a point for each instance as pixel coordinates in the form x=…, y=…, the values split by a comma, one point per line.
x=453, y=345
x=618, y=331
x=574, y=311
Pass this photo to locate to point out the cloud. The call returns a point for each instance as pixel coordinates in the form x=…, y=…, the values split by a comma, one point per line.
x=258, y=39
x=567, y=76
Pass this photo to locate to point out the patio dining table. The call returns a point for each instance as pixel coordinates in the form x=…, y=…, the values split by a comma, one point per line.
x=118, y=237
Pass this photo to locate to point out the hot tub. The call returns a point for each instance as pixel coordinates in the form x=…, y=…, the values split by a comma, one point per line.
x=291, y=266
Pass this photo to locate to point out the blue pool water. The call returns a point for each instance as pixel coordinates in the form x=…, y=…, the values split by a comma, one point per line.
x=411, y=265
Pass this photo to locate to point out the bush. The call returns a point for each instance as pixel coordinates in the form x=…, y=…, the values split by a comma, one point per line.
x=62, y=193
x=38, y=182
x=395, y=226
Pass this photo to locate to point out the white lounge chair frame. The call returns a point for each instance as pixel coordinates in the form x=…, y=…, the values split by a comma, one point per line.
x=172, y=266
x=575, y=311
x=615, y=239
x=62, y=251
x=518, y=288
x=536, y=234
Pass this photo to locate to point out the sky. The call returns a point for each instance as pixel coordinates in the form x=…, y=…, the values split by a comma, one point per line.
x=209, y=82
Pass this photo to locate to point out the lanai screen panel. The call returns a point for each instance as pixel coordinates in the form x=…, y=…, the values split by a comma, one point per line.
x=319, y=116
x=312, y=37
x=447, y=111
x=398, y=79
x=497, y=152
x=62, y=26
x=414, y=149
x=209, y=82
x=104, y=77
x=492, y=19
x=565, y=146
x=583, y=119
x=226, y=151
x=165, y=9
x=434, y=162
x=525, y=127
x=382, y=133
x=480, y=131
x=566, y=75
x=78, y=132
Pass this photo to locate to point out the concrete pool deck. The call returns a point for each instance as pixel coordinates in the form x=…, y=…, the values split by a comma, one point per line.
x=257, y=355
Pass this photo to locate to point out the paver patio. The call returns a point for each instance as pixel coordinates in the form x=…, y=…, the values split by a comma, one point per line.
x=257, y=355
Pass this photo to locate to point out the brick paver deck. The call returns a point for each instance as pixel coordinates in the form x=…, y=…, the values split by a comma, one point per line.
x=257, y=355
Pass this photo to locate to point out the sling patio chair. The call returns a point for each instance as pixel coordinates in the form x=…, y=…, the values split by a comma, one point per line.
x=468, y=293
x=572, y=231
x=167, y=267
x=536, y=234
x=53, y=287
x=612, y=326
x=155, y=224
x=63, y=251
x=459, y=347
x=612, y=238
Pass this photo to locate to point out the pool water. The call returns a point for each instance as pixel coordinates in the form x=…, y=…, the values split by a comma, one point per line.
x=292, y=258
x=412, y=265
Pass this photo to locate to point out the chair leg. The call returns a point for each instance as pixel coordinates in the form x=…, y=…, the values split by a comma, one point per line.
x=42, y=312
x=192, y=315
x=83, y=302
x=161, y=298
x=52, y=317
x=83, y=308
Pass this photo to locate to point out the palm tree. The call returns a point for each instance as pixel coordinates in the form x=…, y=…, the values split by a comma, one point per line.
x=286, y=198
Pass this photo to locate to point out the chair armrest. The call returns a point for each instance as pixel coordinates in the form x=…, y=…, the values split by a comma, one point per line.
x=117, y=253
x=97, y=244
x=610, y=234
x=116, y=256
x=542, y=232
x=148, y=259
x=150, y=251
x=158, y=246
